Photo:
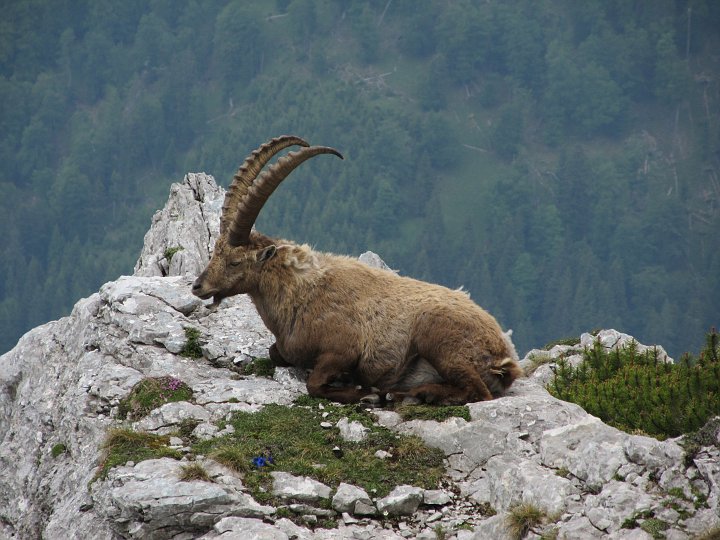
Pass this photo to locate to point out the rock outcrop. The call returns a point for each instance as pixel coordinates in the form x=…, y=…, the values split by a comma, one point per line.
x=61, y=386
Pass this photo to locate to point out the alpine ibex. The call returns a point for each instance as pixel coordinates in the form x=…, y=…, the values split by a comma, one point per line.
x=393, y=337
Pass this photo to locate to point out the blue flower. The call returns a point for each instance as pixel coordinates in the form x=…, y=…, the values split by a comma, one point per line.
x=263, y=459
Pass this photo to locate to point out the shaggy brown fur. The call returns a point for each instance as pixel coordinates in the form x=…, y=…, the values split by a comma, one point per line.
x=342, y=318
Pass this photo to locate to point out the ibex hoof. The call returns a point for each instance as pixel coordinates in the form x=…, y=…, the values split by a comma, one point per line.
x=370, y=399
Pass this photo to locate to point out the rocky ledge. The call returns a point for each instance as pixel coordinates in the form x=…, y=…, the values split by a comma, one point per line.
x=61, y=387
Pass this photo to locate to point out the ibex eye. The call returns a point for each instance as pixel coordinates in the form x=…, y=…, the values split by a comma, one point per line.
x=235, y=263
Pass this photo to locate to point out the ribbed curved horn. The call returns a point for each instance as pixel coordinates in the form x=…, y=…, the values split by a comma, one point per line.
x=260, y=190
x=247, y=172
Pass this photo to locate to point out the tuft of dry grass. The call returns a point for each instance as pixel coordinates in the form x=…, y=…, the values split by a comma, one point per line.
x=522, y=518
x=194, y=471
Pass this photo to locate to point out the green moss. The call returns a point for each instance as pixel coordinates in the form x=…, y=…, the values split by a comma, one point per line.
x=677, y=493
x=562, y=471
x=192, y=348
x=654, y=527
x=150, y=394
x=293, y=438
x=261, y=367
x=123, y=445
x=58, y=450
x=633, y=522
x=171, y=251
x=431, y=412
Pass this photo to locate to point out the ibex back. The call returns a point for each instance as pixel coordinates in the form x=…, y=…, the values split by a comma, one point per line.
x=389, y=337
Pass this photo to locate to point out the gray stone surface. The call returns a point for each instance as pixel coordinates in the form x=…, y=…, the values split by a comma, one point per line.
x=300, y=488
x=148, y=500
x=347, y=497
x=401, y=501
x=352, y=431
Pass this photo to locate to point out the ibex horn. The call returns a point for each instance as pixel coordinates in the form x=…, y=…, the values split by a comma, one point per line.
x=260, y=190
x=247, y=172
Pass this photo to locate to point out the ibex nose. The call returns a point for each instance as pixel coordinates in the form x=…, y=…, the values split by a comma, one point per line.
x=196, y=285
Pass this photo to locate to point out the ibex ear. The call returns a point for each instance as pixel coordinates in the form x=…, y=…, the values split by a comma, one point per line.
x=266, y=254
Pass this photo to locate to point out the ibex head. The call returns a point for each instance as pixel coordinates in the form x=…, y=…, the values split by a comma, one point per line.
x=240, y=253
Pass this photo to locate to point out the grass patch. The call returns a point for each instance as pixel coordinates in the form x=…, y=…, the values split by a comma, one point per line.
x=58, y=450
x=192, y=348
x=537, y=360
x=655, y=527
x=261, y=367
x=633, y=521
x=150, y=394
x=569, y=341
x=290, y=439
x=522, y=518
x=123, y=445
x=432, y=412
x=194, y=471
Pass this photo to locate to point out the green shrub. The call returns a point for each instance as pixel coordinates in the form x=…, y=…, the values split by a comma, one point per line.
x=150, y=394
x=636, y=391
x=192, y=348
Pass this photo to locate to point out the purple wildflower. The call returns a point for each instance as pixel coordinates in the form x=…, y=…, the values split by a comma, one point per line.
x=174, y=383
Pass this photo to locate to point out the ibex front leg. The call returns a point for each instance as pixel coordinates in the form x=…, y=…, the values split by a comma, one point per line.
x=328, y=368
x=277, y=358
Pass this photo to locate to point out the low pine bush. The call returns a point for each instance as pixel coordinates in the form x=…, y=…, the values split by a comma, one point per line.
x=637, y=392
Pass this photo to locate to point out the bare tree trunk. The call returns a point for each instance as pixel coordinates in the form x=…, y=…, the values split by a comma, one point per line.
x=382, y=16
x=687, y=41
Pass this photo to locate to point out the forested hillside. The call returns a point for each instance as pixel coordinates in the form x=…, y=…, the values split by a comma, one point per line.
x=558, y=158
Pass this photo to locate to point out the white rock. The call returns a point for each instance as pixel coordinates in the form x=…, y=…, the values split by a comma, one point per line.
x=401, y=501
x=347, y=497
x=352, y=431
x=301, y=488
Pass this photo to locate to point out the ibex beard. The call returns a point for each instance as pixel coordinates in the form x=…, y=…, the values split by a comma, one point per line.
x=389, y=337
